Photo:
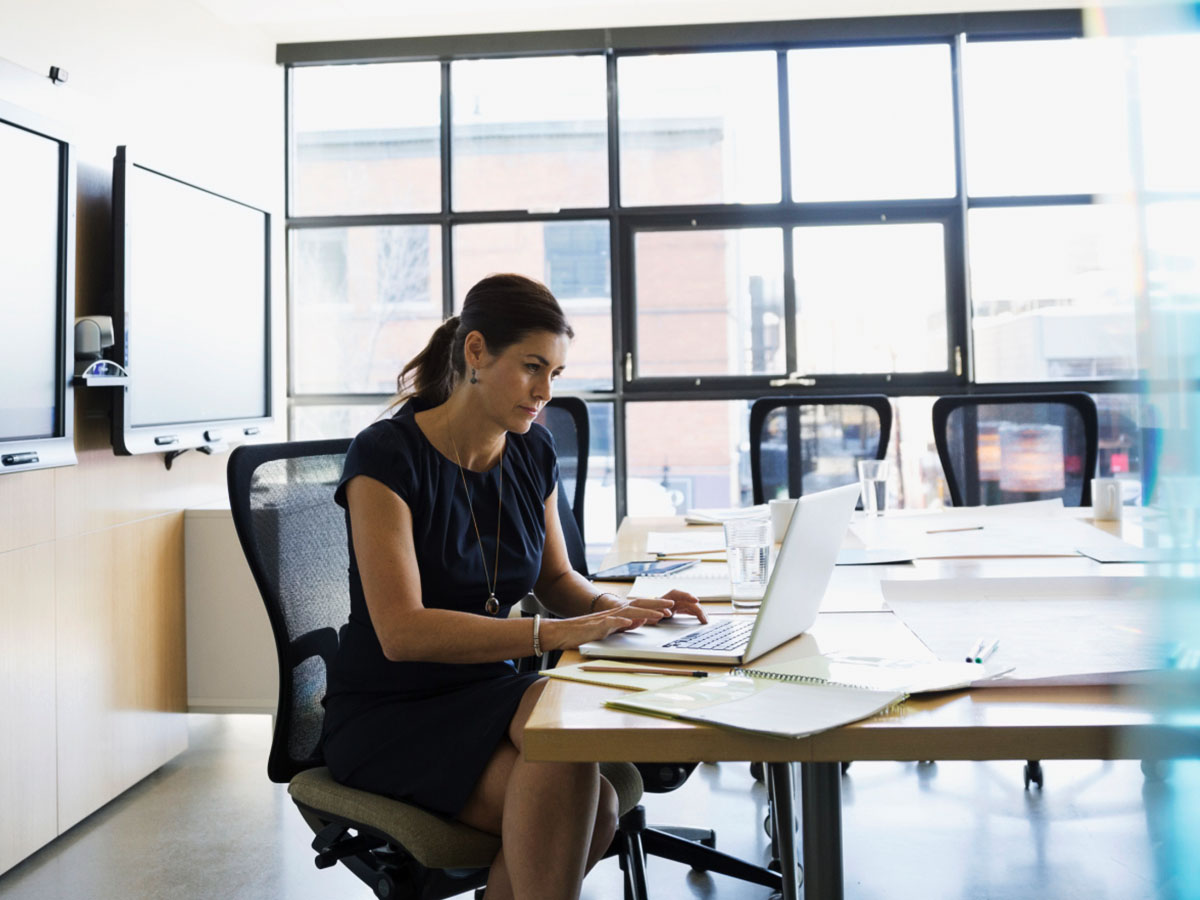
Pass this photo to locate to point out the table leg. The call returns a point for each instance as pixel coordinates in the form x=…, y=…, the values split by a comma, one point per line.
x=821, y=788
x=783, y=826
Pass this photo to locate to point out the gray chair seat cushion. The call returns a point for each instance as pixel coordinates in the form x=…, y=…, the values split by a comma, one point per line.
x=435, y=842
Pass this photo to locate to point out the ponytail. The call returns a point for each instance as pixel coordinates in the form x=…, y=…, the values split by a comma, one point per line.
x=430, y=375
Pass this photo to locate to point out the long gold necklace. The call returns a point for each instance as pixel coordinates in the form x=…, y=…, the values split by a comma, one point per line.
x=492, y=605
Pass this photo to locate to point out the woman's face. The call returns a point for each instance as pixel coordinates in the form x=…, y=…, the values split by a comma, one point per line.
x=518, y=382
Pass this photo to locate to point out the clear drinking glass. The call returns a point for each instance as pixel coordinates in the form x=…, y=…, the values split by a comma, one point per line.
x=748, y=548
x=873, y=476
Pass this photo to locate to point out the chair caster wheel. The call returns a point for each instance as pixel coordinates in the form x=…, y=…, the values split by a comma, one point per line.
x=1033, y=773
x=756, y=772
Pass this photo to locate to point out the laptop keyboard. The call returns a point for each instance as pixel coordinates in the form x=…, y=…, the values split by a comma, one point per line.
x=727, y=635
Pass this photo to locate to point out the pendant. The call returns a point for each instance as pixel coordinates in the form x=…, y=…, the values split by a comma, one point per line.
x=492, y=606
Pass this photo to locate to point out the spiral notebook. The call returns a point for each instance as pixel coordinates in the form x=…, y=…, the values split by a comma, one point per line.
x=763, y=702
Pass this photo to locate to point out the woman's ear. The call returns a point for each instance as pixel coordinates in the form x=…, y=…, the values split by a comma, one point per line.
x=475, y=350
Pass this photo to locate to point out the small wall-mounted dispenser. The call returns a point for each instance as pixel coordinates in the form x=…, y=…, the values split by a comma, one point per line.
x=94, y=335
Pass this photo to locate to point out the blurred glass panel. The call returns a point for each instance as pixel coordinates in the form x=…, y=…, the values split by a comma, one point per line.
x=566, y=257
x=364, y=301
x=687, y=454
x=870, y=298
x=871, y=123
x=1168, y=71
x=529, y=133
x=917, y=480
x=699, y=128
x=366, y=139
x=1124, y=445
x=709, y=302
x=1045, y=117
x=1052, y=291
x=314, y=423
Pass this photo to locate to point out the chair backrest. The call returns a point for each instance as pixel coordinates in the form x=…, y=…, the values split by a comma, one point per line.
x=294, y=538
x=1005, y=448
x=799, y=445
x=567, y=419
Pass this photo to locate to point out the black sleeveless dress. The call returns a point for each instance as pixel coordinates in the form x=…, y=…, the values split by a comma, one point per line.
x=423, y=732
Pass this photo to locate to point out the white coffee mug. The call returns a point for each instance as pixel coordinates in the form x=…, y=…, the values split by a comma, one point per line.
x=1106, y=499
x=781, y=515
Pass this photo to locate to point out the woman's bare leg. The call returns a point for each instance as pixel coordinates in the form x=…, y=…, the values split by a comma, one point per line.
x=555, y=819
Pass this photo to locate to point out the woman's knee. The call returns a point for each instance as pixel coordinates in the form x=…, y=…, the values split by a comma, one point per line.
x=607, y=813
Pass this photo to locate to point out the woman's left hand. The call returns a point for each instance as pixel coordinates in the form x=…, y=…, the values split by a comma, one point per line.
x=671, y=603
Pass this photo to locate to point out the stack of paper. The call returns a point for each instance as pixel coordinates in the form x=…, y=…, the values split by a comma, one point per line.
x=719, y=516
x=912, y=676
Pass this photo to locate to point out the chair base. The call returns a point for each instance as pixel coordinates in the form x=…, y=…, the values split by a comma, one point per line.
x=694, y=847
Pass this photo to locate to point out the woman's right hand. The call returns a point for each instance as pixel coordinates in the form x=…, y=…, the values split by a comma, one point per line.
x=568, y=634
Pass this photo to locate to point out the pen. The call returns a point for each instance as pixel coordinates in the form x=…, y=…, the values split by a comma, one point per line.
x=975, y=650
x=991, y=648
x=684, y=556
x=643, y=670
x=947, y=530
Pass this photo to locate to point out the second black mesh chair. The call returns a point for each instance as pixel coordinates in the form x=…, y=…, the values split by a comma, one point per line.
x=1006, y=448
x=799, y=445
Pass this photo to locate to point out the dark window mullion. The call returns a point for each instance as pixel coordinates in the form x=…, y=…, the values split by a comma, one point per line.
x=619, y=266
x=446, y=217
x=958, y=288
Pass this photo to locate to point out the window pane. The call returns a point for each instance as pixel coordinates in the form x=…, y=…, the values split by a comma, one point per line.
x=364, y=302
x=529, y=133
x=871, y=123
x=709, y=302
x=366, y=139
x=1053, y=292
x=1168, y=70
x=314, y=423
x=566, y=257
x=600, y=495
x=870, y=298
x=710, y=467
x=917, y=480
x=699, y=128
x=1045, y=117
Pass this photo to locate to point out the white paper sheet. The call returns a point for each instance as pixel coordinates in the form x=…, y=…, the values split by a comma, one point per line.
x=1047, y=627
x=695, y=540
x=982, y=535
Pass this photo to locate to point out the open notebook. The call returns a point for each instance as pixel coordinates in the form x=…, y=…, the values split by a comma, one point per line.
x=775, y=704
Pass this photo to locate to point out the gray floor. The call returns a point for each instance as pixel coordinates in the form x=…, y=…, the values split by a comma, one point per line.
x=209, y=824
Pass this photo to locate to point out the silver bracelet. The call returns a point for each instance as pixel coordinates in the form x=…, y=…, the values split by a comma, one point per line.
x=592, y=607
x=537, y=635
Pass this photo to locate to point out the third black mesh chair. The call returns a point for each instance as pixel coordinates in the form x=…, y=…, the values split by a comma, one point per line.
x=799, y=445
x=1006, y=448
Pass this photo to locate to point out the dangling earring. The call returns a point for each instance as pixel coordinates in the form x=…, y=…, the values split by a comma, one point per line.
x=474, y=380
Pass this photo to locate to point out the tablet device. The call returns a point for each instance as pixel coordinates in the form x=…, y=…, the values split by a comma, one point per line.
x=631, y=570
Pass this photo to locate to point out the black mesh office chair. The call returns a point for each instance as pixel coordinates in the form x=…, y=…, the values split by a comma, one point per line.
x=788, y=435
x=1006, y=448
x=294, y=538
x=567, y=419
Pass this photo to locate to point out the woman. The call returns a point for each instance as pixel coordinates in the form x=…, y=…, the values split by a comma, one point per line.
x=452, y=517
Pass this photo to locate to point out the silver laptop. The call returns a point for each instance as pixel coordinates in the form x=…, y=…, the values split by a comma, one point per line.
x=789, y=605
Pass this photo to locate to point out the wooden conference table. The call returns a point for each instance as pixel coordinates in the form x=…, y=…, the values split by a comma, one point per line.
x=570, y=722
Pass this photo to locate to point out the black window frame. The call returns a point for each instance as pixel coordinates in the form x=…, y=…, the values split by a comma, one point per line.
x=954, y=30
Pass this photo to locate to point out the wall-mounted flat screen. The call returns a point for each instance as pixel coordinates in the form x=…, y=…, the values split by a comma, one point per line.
x=37, y=291
x=192, y=311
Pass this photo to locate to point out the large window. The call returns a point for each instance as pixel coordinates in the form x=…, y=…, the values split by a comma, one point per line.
x=914, y=207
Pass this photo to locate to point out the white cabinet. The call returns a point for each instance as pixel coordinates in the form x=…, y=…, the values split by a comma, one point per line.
x=231, y=661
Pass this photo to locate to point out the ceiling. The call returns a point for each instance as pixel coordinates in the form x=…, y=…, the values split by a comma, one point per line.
x=321, y=20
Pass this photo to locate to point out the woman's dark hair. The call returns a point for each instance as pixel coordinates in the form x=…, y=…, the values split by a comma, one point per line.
x=504, y=309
